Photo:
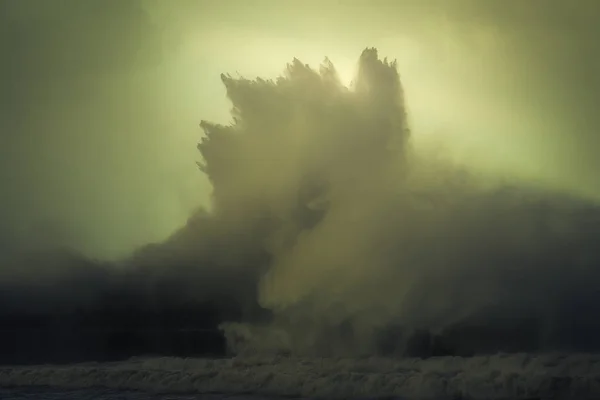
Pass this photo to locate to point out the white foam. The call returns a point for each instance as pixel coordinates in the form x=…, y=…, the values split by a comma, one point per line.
x=490, y=377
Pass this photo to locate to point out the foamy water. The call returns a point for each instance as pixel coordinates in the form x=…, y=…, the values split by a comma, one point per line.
x=516, y=376
x=30, y=393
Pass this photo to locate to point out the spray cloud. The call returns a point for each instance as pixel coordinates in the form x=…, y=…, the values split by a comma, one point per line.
x=364, y=238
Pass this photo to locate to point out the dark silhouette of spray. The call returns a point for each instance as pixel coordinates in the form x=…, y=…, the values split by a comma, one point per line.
x=370, y=247
x=330, y=235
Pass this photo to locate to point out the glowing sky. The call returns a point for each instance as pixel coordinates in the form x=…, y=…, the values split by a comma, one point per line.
x=100, y=100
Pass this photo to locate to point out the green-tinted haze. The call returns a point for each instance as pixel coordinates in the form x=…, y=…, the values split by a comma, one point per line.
x=100, y=100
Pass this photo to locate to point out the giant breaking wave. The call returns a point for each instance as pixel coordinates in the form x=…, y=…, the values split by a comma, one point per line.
x=330, y=235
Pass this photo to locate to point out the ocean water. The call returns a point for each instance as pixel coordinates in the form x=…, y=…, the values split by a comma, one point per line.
x=33, y=393
x=502, y=376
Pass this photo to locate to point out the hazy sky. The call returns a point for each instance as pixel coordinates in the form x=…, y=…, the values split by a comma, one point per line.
x=100, y=100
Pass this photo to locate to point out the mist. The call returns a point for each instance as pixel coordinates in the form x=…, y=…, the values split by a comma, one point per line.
x=366, y=237
x=101, y=100
x=439, y=203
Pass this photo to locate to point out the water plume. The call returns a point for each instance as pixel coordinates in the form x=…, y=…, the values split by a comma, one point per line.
x=369, y=246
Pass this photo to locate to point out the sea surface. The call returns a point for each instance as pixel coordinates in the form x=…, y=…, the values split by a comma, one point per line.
x=33, y=393
x=494, y=377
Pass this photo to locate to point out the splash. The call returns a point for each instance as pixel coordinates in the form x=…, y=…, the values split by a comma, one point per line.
x=331, y=235
x=368, y=245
